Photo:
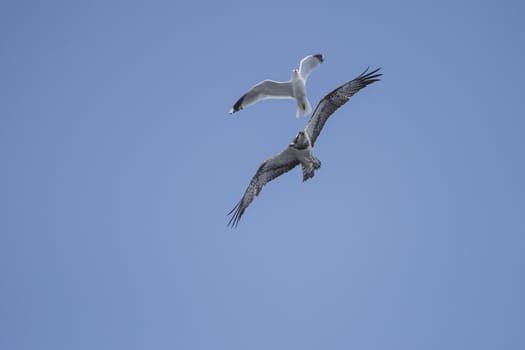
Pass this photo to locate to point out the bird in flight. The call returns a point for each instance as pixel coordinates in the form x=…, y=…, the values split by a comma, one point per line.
x=294, y=89
x=299, y=151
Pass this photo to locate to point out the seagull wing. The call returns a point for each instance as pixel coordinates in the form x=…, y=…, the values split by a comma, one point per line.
x=335, y=99
x=309, y=63
x=264, y=90
x=268, y=170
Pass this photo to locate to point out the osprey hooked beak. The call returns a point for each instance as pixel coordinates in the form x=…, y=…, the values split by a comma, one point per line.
x=296, y=138
x=300, y=141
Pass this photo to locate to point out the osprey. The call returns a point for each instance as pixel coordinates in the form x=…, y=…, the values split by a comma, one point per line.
x=295, y=88
x=299, y=151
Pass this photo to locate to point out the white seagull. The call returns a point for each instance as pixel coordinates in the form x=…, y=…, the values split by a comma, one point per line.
x=299, y=151
x=294, y=89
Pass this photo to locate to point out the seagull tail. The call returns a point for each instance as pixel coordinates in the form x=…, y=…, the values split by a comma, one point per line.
x=303, y=108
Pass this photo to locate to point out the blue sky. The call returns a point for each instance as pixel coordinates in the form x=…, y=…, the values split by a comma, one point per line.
x=120, y=162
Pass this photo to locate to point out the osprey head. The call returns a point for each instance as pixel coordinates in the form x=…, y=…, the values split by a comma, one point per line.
x=300, y=141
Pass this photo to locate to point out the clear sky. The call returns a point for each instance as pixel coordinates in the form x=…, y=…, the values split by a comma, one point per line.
x=119, y=163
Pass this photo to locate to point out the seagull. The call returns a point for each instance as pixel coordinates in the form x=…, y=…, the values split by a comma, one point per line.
x=299, y=151
x=294, y=89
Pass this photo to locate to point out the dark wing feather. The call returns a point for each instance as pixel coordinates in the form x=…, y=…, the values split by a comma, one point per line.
x=335, y=99
x=268, y=170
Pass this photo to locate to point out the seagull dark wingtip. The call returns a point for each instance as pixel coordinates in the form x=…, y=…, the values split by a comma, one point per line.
x=238, y=105
x=320, y=57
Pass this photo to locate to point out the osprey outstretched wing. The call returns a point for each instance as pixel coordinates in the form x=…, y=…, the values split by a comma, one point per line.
x=335, y=99
x=299, y=151
x=268, y=170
